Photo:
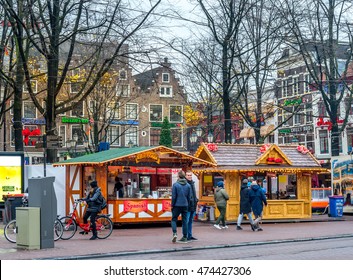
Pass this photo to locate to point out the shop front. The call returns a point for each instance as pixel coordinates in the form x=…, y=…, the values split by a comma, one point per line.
x=144, y=175
x=284, y=172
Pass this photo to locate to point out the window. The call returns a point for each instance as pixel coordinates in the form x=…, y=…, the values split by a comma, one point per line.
x=122, y=75
x=131, y=136
x=284, y=88
x=297, y=119
x=321, y=108
x=156, y=113
x=308, y=113
x=113, y=111
x=177, y=137
x=165, y=91
x=155, y=136
x=165, y=77
x=75, y=87
x=307, y=83
x=295, y=86
x=62, y=133
x=33, y=86
x=29, y=110
x=131, y=111
x=323, y=136
x=11, y=106
x=78, y=130
x=123, y=90
x=113, y=135
x=176, y=113
x=78, y=110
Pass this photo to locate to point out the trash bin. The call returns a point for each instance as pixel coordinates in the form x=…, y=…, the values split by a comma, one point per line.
x=335, y=206
x=212, y=215
x=11, y=202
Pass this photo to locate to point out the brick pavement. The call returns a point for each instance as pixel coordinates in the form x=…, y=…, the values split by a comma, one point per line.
x=158, y=238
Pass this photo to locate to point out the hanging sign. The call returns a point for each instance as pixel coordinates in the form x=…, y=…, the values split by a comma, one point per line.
x=148, y=155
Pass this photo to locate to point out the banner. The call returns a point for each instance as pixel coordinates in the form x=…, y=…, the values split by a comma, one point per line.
x=166, y=205
x=135, y=206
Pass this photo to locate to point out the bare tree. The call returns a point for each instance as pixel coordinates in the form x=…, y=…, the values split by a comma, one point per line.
x=321, y=31
x=60, y=30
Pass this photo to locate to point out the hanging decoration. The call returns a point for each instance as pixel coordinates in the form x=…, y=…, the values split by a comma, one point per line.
x=212, y=147
x=302, y=149
x=274, y=160
x=321, y=122
x=264, y=148
x=27, y=133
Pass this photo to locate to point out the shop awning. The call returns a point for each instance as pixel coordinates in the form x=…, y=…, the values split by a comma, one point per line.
x=266, y=129
x=247, y=133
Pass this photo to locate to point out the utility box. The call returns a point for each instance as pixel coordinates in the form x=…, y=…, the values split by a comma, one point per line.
x=41, y=194
x=28, y=227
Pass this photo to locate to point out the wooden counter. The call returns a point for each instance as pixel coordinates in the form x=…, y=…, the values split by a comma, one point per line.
x=137, y=210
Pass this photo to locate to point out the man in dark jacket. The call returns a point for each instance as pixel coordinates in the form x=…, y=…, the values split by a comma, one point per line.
x=245, y=206
x=181, y=195
x=257, y=200
x=192, y=205
x=94, y=207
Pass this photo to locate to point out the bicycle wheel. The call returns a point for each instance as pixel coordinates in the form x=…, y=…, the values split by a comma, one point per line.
x=69, y=226
x=58, y=229
x=10, y=231
x=104, y=227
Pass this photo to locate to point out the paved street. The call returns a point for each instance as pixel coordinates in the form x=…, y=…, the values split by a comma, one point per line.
x=140, y=240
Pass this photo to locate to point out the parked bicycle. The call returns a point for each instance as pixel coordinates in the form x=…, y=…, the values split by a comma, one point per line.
x=104, y=224
x=10, y=230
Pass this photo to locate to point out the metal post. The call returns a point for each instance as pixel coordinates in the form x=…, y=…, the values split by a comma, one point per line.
x=45, y=154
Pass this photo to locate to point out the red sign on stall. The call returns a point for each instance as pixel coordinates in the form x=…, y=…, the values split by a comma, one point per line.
x=166, y=205
x=135, y=206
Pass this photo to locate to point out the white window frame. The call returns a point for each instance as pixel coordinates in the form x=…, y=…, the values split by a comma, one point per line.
x=128, y=115
x=181, y=114
x=167, y=76
x=11, y=106
x=131, y=133
x=150, y=110
x=109, y=111
x=122, y=91
x=154, y=128
x=181, y=136
x=163, y=91
x=284, y=88
x=295, y=85
x=80, y=134
x=115, y=136
x=34, y=84
x=83, y=111
x=120, y=72
x=24, y=107
x=307, y=79
x=62, y=133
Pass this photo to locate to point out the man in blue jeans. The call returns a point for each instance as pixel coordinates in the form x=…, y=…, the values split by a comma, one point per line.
x=181, y=194
x=192, y=205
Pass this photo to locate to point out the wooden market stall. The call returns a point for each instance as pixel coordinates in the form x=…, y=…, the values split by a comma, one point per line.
x=284, y=171
x=147, y=174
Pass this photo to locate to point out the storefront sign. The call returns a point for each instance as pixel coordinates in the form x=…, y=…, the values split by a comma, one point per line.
x=33, y=121
x=135, y=206
x=164, y=171
x=147, y=155
x=143, y=170
x=73, y=120
x=297, y=129
x=166, y=205
x=128, y=122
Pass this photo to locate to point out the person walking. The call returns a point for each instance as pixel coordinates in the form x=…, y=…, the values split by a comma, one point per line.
x=257, y=200
x=192, y=205
x=94, y=207
x=221, y=197
x=245, y=206
x=181, y=196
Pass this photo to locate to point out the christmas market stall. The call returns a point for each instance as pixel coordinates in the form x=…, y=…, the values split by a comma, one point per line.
x=136, y=181
x=284, y=173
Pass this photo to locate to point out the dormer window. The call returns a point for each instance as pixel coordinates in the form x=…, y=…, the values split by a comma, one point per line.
x=165, y=77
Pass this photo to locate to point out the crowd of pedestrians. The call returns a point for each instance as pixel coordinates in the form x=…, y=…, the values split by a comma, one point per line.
x=184, y=203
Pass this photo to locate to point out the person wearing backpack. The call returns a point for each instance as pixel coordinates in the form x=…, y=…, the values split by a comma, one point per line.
x=94, y=207
x=257, y=200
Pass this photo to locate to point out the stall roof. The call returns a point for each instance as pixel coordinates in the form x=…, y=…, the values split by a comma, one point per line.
x=134, y=155
x=255, y=157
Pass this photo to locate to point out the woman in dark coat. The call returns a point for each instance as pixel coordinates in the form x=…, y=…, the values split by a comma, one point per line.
x=245, y=206
x=94, y=207
x=257, y=200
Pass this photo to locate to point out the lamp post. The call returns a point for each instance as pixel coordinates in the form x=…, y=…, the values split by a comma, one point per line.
x=210, y=137
x=72, y=144
x=193, y=140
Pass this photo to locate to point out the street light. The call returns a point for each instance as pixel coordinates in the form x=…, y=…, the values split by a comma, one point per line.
x=72, y=144
x=193, y=140
x=210, y=137
x=130, y=143
x=198, y=132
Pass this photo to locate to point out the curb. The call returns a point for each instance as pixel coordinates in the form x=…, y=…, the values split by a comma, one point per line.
x=162, y=251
